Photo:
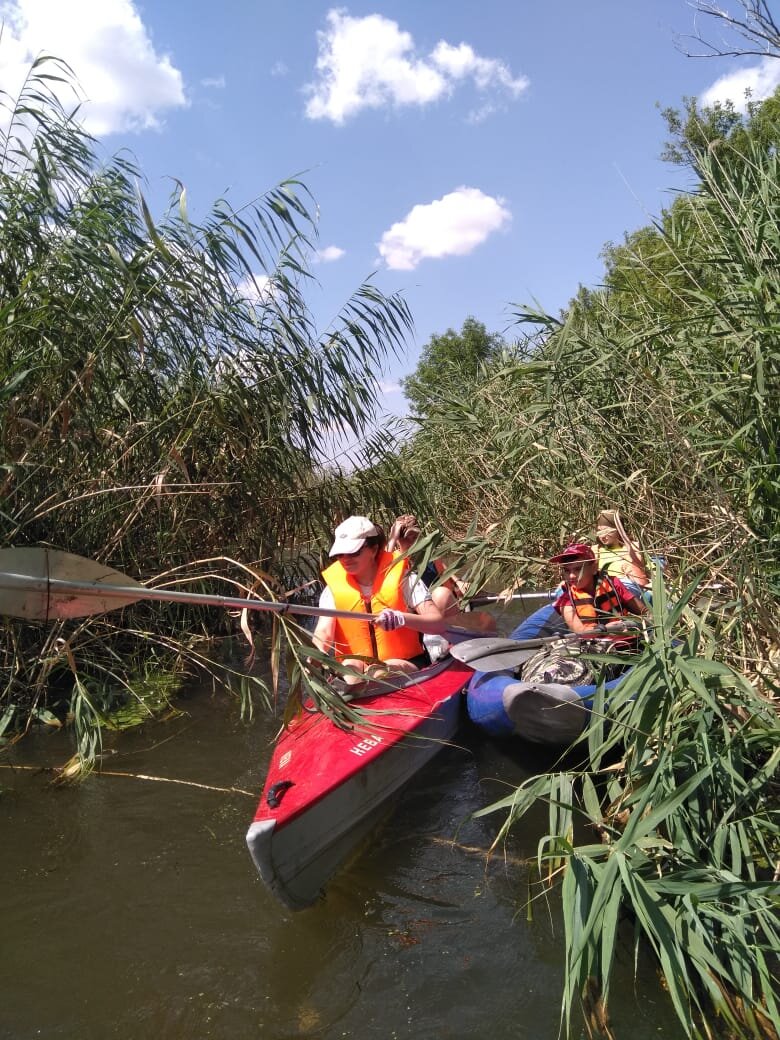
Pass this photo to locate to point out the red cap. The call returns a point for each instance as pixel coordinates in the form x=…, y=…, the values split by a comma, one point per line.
x=577, y=552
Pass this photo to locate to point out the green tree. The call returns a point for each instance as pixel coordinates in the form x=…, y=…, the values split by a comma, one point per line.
x=696, y=130
x=448, y=361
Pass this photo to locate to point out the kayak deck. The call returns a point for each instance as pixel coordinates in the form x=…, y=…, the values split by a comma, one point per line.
x=326, y=785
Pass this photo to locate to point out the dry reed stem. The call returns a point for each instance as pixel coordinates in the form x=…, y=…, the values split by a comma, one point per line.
x=139, y=776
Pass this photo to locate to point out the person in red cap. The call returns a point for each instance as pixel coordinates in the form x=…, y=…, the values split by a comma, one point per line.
x=365, y=578
x=592, y=603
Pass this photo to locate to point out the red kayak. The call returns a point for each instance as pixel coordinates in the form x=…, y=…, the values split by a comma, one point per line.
x=326, y=786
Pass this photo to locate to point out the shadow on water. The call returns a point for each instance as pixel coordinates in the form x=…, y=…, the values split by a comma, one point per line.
x=131, y=908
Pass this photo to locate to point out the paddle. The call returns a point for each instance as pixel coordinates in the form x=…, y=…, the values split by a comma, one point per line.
x=40, y=584
x=495, y=654
x=482, y=601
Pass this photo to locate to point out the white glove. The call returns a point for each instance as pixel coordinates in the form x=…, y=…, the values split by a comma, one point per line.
x=389, y=620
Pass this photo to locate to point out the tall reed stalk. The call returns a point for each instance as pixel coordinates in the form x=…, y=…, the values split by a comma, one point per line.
x=678, y=837
x=164, y=392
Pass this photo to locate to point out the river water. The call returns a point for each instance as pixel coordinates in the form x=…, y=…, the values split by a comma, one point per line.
x=130, y=907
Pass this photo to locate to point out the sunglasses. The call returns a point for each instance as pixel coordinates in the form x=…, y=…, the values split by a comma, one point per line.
x=348, y=556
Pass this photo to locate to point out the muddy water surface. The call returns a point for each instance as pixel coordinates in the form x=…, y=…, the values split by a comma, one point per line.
x=130, y=907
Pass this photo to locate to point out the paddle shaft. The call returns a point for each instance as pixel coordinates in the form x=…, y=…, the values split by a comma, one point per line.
x=61, y=580
x=58, y=587
x=483, y=601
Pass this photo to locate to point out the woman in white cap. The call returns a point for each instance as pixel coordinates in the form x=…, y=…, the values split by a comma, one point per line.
x=365, y=578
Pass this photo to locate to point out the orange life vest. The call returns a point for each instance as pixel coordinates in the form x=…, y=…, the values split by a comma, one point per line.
x=361, y=638
x=602, y=604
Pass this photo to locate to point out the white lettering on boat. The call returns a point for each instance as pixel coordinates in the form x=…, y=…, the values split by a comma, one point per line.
x=285, y=759
x=366, y=744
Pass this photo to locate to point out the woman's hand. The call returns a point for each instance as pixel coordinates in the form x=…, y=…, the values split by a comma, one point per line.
x=389, y=620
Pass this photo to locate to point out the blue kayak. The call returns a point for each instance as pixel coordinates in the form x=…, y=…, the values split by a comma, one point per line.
x=543, y=712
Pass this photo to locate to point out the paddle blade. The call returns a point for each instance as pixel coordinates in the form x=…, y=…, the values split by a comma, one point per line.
x=25, y=591
x=495, y=654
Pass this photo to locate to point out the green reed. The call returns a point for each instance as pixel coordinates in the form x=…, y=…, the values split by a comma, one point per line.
x=163, y=390
x=677, y=840
x=658, y=393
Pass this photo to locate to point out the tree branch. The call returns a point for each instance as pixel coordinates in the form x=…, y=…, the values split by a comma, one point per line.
x=757, y=26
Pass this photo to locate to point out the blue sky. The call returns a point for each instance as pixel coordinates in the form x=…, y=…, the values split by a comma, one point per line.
x=473, y=155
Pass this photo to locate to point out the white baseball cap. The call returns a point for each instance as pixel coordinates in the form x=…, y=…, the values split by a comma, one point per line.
x=350, y=536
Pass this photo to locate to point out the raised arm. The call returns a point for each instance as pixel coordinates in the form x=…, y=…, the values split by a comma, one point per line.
x=324, y=634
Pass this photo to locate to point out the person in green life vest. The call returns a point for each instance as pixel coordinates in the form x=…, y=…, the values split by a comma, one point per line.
x=617, y=555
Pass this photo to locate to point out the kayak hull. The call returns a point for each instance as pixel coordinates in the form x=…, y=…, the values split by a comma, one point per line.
x=326, y=787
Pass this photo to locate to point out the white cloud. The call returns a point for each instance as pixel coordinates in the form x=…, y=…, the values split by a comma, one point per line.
x=761, y=80
x=370, y=62
x=279, y=69
x=217, y=82
x=256, y=288
x=480, y=114
x=124, y=82
x=451, y=226
x=461, y=61
x=328, y=254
